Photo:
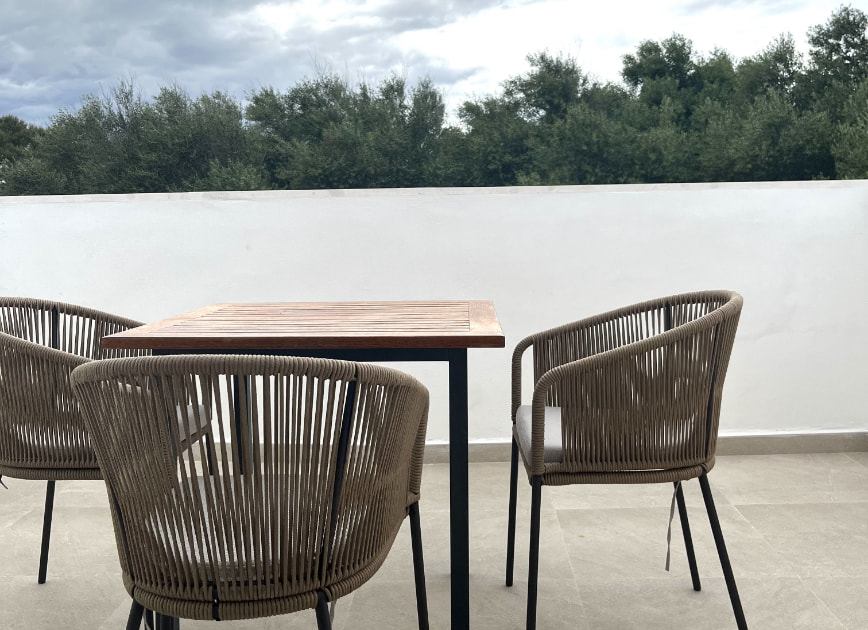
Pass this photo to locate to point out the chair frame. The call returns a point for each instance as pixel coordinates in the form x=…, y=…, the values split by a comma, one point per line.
x=580, y=349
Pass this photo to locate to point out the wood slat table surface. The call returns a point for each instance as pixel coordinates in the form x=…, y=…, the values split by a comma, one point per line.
x=322, y=325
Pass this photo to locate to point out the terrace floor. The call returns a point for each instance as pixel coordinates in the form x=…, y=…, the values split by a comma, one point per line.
x=796, y=527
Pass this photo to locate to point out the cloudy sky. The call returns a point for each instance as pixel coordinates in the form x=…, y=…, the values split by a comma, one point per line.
x=52, y=52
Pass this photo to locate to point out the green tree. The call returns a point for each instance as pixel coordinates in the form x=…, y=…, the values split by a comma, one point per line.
x=778, y=68
x=714, y=78
x=425, y=122
x=770, y=141
x=495, y=142
x=664, y=152
x=839, y=48
x=120, y=143
x=850, y=145
x=838, y=61
x=322, y=133
x=189, y=144
x=16, y=138
x=547, y=92
x=658, y=70
x=585, y=147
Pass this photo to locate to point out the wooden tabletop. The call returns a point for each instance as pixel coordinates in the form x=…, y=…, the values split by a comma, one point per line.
x=321, y=325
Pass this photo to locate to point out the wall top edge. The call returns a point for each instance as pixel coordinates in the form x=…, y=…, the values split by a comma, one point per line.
x=432, y=192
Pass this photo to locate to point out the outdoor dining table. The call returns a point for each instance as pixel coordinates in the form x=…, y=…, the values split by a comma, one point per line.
x=355, y=331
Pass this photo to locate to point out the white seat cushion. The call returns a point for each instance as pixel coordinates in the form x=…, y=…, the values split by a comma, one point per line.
x=199, y=428
x=553, y=444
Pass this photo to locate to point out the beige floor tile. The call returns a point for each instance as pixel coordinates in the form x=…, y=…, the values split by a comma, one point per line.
x=81, y=494
x=385, y=605
x=847, y=598
x=861, y=458
x=631, y=543
x=13, y=514
x=821, y=540
x=775, y=479
x=489, y=487
x=496, y=607
x=81, y=601
x=488, y=549
x=653, y=603
x=81, y=538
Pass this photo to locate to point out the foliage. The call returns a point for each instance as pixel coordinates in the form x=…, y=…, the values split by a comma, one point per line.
x=16, y=138
x=119, y=143
x=850, y=147
x=323, y=134
x=678, y=116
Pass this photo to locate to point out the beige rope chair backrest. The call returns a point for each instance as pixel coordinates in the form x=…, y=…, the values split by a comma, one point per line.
x=315, y=465
x=42, y=433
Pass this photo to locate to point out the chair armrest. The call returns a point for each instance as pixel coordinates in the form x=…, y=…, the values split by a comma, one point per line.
x=517, y=355
x=569, y=342
x=418, y=456
x=36, y=399
x=545, y=392
x=554, y=347
x=105, y=324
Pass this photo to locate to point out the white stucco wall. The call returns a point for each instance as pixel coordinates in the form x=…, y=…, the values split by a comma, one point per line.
x=798, y=252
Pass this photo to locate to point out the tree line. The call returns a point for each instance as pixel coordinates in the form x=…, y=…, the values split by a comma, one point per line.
x=678, y=116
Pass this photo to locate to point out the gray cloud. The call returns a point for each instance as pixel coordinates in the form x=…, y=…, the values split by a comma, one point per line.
x=54, y=52
x=769, y=7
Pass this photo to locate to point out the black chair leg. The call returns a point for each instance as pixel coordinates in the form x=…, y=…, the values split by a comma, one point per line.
x=323, y=620
x=688, y=540
x=164, y=622
x=134, y=621
x=46, y=531
x=533, y=560
x=209, y=454
x=513, y=498
x=418, y=567
x=721, y=552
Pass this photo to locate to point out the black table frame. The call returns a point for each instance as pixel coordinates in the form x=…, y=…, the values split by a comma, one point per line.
x=459, y=504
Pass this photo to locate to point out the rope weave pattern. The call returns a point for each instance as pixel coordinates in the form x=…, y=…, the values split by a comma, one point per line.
x=639, y=390
x=42, y=434
x=313, y=466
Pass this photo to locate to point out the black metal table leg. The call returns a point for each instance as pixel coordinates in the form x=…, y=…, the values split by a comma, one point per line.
x=459, y=521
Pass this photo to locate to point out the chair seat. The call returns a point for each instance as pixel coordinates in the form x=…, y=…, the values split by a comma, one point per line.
x=200, y=428
x=553, y=449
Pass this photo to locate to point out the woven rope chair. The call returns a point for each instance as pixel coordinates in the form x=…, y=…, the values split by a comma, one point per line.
x=317, y=462
x=42, y=433
x=629, y=396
